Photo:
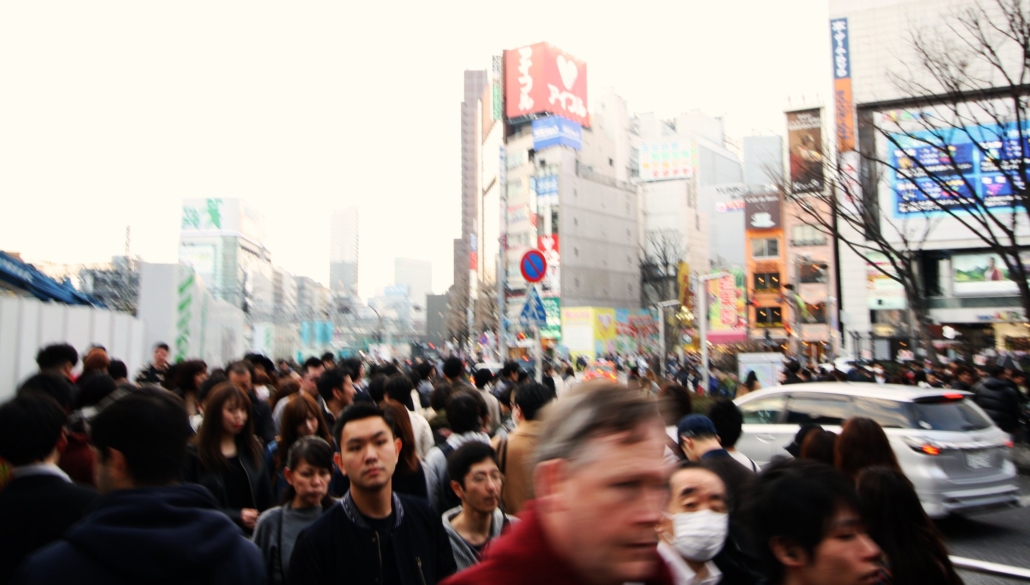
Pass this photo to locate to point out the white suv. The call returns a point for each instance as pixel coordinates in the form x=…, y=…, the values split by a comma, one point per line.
x=949, y=448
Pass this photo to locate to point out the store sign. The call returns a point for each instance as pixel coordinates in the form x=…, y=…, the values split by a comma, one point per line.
x=762, y=211
x=664, y=161
x=844, y=106
x=556, y=131
x=544, y=79
x=546, y=189
x=805, y=140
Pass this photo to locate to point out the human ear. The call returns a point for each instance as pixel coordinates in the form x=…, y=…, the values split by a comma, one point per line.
x=787, y=553
x=338, y=460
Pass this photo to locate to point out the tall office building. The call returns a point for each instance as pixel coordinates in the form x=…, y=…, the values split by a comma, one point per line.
x=343, y=253
x=475, y=83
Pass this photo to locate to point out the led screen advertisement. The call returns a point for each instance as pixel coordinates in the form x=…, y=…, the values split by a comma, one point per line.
x=983, y=274
x=669, y=160
x=556, y=131
x=541, y=78
x=941, y=170
x=805, y=140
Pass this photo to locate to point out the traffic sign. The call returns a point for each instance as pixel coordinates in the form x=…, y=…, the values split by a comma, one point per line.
x=533, y=313
x=534, y=266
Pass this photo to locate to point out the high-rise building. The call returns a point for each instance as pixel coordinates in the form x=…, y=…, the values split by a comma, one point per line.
x=343, y=253
x=417, y=276
x=464, y=254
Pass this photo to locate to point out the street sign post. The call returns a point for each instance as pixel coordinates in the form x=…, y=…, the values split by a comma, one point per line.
x=533, y=265
x=534, y=317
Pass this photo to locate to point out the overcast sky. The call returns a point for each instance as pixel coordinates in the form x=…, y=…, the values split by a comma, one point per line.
x=111, y=113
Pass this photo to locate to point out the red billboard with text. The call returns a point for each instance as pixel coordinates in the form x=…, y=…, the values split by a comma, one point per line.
x=544, y=79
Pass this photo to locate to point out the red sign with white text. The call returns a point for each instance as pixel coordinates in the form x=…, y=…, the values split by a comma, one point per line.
x=543, y=79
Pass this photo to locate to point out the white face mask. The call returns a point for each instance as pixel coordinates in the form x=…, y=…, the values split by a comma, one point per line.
x=699, y=536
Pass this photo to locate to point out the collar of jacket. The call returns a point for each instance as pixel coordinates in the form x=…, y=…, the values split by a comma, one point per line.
x=351, y=510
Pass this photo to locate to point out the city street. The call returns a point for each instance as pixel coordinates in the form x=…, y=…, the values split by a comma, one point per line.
x=1000, y=537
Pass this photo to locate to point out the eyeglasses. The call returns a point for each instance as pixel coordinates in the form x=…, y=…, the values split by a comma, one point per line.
x=481, y=478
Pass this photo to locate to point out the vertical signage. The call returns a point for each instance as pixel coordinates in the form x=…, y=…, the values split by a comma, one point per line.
x=843, y=102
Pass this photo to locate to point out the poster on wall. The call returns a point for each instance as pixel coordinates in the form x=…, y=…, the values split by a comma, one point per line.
x=604, y=331
x=549, y=245
x=805, y=140
x=882, y=291
x=983, y=274
x=727, y=309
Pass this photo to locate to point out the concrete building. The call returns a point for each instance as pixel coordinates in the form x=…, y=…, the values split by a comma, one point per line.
x=416, y=276
x=436, y=320
x=465, y=255
x=343, y=253
x=952, y=261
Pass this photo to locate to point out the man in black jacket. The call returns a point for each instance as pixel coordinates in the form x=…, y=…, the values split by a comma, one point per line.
x=999, y=398
x=373, y=535
x=41, y=502
x=146, y=528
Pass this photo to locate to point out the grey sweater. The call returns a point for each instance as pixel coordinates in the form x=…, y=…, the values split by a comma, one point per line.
x=268, y=538
x=464, y=555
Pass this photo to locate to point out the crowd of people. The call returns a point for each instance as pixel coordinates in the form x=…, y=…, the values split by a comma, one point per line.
x=340, y=471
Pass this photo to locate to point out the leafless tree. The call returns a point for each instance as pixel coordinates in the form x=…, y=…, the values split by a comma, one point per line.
x=487, y=315
x=456, y=319
x=659, y=265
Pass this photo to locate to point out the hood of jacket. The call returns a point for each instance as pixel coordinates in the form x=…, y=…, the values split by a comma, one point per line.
x=175, y=531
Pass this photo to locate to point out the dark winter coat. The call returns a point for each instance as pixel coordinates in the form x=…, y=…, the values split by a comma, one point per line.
x=214, y=481
x=1000, y=400
x=171, y=534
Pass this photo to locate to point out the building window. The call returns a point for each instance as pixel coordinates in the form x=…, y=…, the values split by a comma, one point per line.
x=816, y=313
x=554, y=222
x=767, y=281
x=768, y=317
x=765, y=248
x=817, y=272
x=807, y=235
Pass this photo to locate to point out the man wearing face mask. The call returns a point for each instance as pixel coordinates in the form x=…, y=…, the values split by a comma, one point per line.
x=694, y=527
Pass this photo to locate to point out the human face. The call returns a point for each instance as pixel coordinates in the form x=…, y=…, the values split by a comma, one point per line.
x=309, y=427
x=349, y=391
x=241, y=380
x=611, y=498
x=845, y=556
x=234, y=417
x=311, y=483
x=482, y=491
x=199, y=379
x=160, y=357
x=309, y=382
x=692, y=490
x=368, y=453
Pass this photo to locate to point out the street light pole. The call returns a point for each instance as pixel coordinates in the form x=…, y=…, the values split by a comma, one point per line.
x=661, y=333
x=703, y=325
x=379, y=330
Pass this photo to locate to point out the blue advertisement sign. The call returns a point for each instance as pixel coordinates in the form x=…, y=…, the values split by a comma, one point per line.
x=555, y=131
x=546, y=189
x=841, y=48
x=956, y=169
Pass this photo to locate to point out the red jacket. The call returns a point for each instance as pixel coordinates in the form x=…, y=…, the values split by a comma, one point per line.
x=523, y=556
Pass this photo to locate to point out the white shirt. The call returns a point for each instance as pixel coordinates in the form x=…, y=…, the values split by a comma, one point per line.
x=682, y=574
x=423, y=434
x=745, y=460
x=40, y=469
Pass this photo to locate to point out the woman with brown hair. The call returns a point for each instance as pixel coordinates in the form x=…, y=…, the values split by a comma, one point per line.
x=227, y=458
x=302, y=417
x=408, y=477
x=861, y=444
x=287, y=387
x=819, y=446
x=189, y=376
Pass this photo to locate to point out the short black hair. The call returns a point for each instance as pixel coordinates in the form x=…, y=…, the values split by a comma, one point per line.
x=424, y=370
x=995, y=371
x=453, y=367
x=796, y=500
x=377, y=387
x=463, y=413
x=54, y=386
x=463, y=458
x=330, y=380
x=56, y=356
x=532, y=397
x=354, y=365
x=510, y=368
x=94, y=387
x=150, y=428
x=311, y=362
x=328, y=357
x=206, y=387
x=30, y=426
x=482, y=377
x=398, y=388
x=239, y=366
x=360, y=411
x=728, y=421
x=161, y=345
x=118, y=370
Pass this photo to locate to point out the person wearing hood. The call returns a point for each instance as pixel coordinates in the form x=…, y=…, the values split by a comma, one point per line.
x=999, y=398
x=465, y=417
x=146, y=528
x=694, y=526
x=476, y=480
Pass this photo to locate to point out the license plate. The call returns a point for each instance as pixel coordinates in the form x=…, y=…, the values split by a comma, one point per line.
x=978, y=459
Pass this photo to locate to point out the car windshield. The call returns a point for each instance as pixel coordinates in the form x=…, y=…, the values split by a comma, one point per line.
x=947, y=416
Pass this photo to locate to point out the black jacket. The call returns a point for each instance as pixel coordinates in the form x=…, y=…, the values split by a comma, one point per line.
x=34, y=511
x=340, y=547
x=1000, y=400
x=261, y=413
x=171, y=534
x=214, y=481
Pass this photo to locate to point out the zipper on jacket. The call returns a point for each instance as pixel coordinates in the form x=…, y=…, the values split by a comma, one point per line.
x=379, y=549
x=418, y=561
x=250, y=484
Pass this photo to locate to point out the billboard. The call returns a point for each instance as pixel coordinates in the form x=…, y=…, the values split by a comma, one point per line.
x=556, y=131
x=955, y=169
x=882, y=291
x=544, y=79
x=226, y=217
x=683, y=284
x=983, y=274
x=727, y=309
x=762, y=211
x=604, y=331
x=805, y=140
x=663, y=161
x=551, y=330
x=550, y=246
x=843, y=102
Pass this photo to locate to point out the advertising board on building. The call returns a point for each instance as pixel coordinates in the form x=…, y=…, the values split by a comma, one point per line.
x=556, y=131
x=727, y=316
x=669, y=160
x=552, y=330
x=540, y=79
x=983, y=274
x=843, y=102
x=762, y=211
x=882, y=291
x=805, y=140
x=550, y=245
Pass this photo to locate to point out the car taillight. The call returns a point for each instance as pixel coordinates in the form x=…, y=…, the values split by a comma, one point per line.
x=929, y=449
x=923, y=445
x=1009, y=444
